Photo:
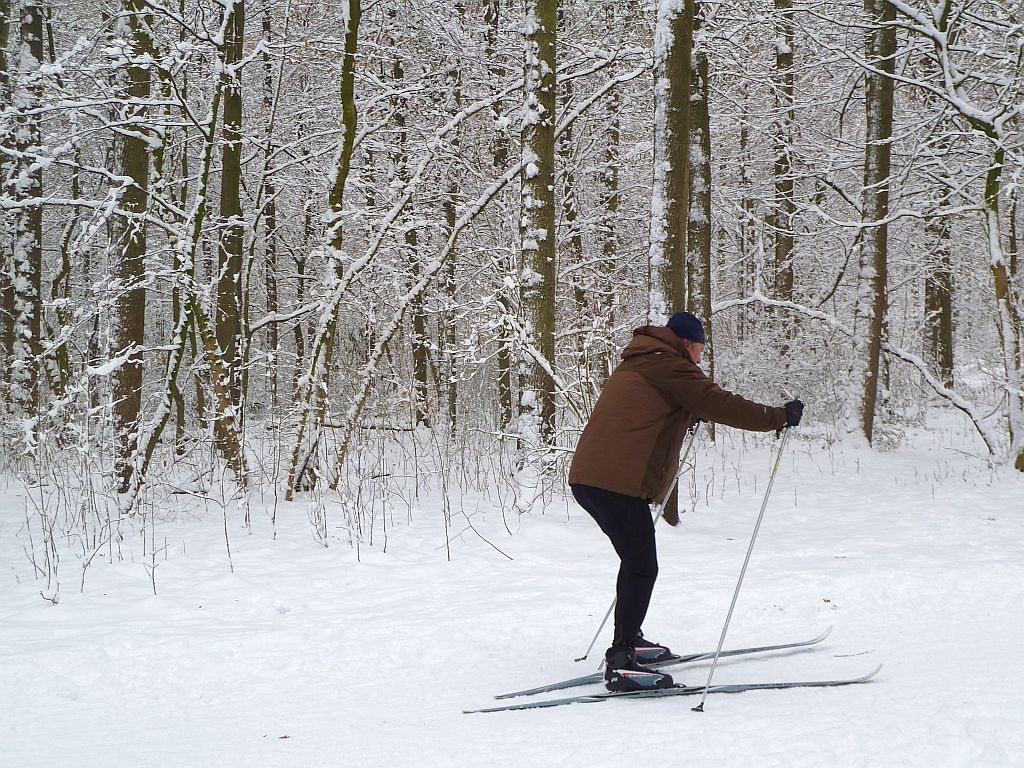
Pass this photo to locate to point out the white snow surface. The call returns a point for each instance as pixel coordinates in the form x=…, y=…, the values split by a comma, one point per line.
x=310, y=656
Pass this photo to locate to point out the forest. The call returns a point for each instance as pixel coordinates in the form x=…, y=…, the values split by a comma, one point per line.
x=310, y=246
x=306, y=304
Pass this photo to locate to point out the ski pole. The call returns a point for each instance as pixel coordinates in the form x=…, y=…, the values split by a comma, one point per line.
x=743, y=570
x=657, y=513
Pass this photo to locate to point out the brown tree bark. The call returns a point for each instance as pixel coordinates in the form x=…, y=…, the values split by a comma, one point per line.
x=747, y=242
x=130, y=268
x=880, y=49
x=451, y=201
x=674, y=33
x=6, y=261
x=270, y=222
x=28, y=223
x=232, y=227
x=314, y=400
x=938, y=301
x=609, y=197
x=570, y=240
x=506, y=411
x=537, y=226
x=699, y=228
x=420, y=342
x=784, y=206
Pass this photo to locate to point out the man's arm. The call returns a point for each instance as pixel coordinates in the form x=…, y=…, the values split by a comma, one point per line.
x=690, y=388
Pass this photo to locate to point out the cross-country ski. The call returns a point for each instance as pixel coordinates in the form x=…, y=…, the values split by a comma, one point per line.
x=690, y=658
x=678, y=690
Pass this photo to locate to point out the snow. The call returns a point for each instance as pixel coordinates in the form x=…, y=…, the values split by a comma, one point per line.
x=308, y=655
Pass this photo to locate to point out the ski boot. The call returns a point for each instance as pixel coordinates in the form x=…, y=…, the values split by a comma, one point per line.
x=648, y=652
x=622, y=673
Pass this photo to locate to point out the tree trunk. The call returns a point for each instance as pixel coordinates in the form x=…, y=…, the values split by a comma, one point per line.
x=232, y=227
x=506, y=411
x=747, y=245
x=28, y=222
x=270, y=222
x=570, y=241
x=129, y=333
x=938, y=302
x=492, y=18
x=1008, y=318
x=784, y=207
x=673, y=39
x=698, y=227
x=572, y=251
x=6, y=262
x=607, y=229
x=229, y=436
x=1014, y=239
x=314, y=400
x=537, y=225
x=297, y=335
x=57, y=360
x=609, y=196
x=420, y=342
x=451, y=205
x=880, y=49
x=177, y=305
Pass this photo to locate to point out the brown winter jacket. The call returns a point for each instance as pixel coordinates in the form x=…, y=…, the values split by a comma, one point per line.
x=632, y=441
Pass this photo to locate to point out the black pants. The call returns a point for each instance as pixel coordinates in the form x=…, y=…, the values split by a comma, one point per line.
x=627, y=521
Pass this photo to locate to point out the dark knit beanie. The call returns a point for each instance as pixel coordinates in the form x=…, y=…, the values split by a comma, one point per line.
x=686, y=325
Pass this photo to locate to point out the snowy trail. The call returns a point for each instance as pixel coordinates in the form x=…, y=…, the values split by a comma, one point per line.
x=370, y=663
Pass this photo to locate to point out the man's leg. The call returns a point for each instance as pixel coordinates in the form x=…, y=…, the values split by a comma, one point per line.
x=626, y=521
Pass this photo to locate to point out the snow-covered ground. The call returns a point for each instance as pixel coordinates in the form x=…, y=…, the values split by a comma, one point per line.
x=308, y=656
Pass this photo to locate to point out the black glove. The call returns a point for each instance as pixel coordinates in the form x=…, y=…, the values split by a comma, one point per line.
x=794, y=412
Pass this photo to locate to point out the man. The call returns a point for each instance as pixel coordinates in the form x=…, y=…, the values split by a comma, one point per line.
x=627, y=456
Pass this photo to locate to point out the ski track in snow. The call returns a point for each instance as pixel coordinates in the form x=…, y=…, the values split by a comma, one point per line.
x=307, y=657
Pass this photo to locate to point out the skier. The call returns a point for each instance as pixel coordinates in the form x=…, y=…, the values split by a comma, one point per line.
x=627, y=456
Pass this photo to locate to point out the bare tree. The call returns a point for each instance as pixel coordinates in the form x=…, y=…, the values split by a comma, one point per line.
x=537, y=226
x=698, y=226
x=500, y=142
x=27, y=264
x=783, y=205
x=941, y=26
x=880, y=50
x=6, y=165
x=317, y=380
x=232, y=225
x=673, y=40
x=130, y=267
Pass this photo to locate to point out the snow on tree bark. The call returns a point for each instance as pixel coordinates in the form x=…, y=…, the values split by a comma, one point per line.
x=421, y=362
x=6, y=242
x=784, y=206
x=270, y=233
x=938, y=300
x=880, y=50
x=673, y=36
x=537, y=219
x=130, y=267
x=699, y=228
x=315, y=384
x=27, y=258
x=451, y=207
x=500, y=144
x=228, y=323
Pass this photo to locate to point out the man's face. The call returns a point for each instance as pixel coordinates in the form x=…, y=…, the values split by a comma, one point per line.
x=695, y=348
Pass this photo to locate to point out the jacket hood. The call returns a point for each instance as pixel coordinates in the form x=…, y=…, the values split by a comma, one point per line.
x=653, y=338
